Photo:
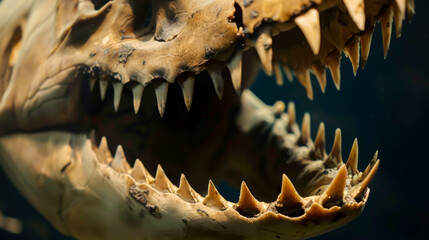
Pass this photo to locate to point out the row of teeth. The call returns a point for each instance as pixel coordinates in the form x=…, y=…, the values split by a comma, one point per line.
x=309, y=23
x=217, y=72
x=347, y=187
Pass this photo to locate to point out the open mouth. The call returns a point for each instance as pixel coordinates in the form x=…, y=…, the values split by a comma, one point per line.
x=138, y=119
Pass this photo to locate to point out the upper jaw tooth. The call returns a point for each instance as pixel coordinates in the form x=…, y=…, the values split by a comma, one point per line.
x=235, y=65
x=309, y=24
x=137, y=90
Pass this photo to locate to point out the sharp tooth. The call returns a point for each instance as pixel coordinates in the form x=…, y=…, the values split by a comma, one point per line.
x=310, y=26
x=187, y=85
x=213, y=198
x=319, y=143
x=399, y=17
x=92, y=82
x=161, y=181
x=352, y=51
x=335, y=156
x=356, y=9
x=367, y=179
x=138, y=172
x=247, y=204
x=288, y=73
x=369, y=167
x=161, y=91
x=352, y=162
x=320, y=73
x=119, y=162
x=411, y=10
x=104, y=148
x=185, y=191
x=365, y=45
x=305, y=130
x=399, y=11
x=304, y=78
x=386, y=22
x=278, y=74
x=292, y=115
x=103, y=88
x=264, y=48
x=288, y=198
x=235, y=68
x=138, y=90
x=117, y=87
x=333, y=61
x=335, y=190
x=217, y=72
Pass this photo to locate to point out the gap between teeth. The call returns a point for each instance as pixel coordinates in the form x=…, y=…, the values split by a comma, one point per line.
x=346, y=188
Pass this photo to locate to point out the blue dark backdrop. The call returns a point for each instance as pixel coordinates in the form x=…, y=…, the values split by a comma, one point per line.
x=386, y=107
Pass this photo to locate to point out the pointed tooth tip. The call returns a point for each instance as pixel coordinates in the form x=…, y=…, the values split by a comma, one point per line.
x=161, y=92
x=352, y=162
x=320, y=73
x=333, y=61
x=288, y=194
x=247, y=202
x=161, y=180
x=336, y=148
x=305, y=129
x=137, y=90
x=367, y=179
x=235, y=66
x=103, y=89
x=264, y=49
x=309, y=23
x=187, y=85
x=213, y=198
x=335, y=190
x=117, y=94
x=185, y=190
x=320, y=142
x=119, y=162
x=217, y=73
x=386, y=22
x=305, y=80
x=138, y=171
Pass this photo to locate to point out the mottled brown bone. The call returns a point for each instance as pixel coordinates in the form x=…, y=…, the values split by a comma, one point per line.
x=55, y=52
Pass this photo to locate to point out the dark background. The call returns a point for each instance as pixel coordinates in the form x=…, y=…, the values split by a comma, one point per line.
x=386, y=107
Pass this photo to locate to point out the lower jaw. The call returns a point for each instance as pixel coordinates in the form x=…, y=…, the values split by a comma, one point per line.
x=83, y=193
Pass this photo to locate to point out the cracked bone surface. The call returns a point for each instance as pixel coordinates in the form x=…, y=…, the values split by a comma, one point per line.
x=96, y=96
